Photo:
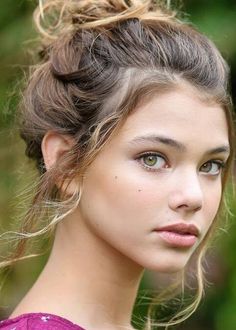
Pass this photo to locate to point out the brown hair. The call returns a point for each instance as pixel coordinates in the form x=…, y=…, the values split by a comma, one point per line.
x=99, y=59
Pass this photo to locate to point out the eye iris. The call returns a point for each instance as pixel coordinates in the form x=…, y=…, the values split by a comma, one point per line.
x=213, y=168
x=207, y=167
x=150, y=160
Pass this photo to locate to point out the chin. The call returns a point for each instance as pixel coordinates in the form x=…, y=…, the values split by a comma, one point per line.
x=166, y=265
x=169, y=269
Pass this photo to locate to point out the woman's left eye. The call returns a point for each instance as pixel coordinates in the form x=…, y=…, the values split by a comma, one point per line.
x=212, y=167
x=153, y=161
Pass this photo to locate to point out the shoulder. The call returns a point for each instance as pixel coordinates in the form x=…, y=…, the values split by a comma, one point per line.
x=38, y=321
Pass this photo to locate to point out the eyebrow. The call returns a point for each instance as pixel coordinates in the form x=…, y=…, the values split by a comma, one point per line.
x=175, y=144
x=218, y=150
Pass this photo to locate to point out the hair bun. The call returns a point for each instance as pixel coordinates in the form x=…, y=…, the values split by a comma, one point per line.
x=55, y=16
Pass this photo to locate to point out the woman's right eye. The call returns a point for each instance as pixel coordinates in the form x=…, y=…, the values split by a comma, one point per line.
x=153, y=161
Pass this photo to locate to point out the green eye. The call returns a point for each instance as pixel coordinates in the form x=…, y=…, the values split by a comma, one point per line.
x=212, y=167
x=150, y=160
x=153, y=161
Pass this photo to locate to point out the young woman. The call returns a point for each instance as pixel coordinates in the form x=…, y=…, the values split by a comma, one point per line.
x=128, y=118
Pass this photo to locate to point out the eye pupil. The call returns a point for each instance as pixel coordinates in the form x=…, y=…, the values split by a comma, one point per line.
x=207, y=166
x=150, y=160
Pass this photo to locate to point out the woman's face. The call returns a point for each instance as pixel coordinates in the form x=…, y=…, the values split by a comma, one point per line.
x=153, y=191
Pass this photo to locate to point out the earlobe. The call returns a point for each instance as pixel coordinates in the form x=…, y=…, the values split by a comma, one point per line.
x=53, y=146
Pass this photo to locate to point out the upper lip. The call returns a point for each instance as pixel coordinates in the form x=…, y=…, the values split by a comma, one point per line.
x=181, y=228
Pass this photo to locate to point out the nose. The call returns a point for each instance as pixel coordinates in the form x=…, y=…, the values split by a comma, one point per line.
x=186, y=194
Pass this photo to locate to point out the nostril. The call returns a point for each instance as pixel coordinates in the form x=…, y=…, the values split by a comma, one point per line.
x=189, y=206
x=198, y=208
x=186, y=200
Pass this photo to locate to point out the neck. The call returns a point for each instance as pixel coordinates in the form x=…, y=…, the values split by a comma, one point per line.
x=95, y=284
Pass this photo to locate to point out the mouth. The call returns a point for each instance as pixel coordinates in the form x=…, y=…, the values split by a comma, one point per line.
x=179, y=235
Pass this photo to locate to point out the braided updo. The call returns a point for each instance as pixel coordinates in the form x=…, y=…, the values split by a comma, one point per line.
x=95, y=53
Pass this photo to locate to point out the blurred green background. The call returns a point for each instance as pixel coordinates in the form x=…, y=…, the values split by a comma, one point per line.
x=216, y=18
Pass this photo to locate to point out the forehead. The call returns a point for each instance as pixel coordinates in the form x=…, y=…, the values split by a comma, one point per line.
x=178, y=114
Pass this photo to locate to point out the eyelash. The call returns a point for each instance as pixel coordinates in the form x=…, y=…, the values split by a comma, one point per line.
x=219, y=163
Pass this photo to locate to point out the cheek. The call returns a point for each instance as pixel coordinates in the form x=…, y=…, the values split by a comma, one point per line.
x=122, y=202
x=134, y=192
x=212, y=203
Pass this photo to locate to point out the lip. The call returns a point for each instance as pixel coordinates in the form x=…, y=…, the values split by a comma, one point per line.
x=179, y=234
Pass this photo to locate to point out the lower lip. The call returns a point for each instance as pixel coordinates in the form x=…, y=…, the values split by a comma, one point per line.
x=177, y=240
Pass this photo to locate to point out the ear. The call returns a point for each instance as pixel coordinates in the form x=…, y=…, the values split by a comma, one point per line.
x=53, y=146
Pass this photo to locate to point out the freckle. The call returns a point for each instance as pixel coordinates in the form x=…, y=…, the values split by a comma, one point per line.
x=116, y=177
x=139, y=190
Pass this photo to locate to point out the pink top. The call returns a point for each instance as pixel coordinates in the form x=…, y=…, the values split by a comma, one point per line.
x=38, y=321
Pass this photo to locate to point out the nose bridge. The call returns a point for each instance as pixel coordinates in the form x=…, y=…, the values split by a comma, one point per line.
x=191, y=182
x=187, y=191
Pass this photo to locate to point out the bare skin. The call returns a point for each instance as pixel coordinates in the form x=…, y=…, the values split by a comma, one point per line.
x=105, y=282
x=101, y=250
